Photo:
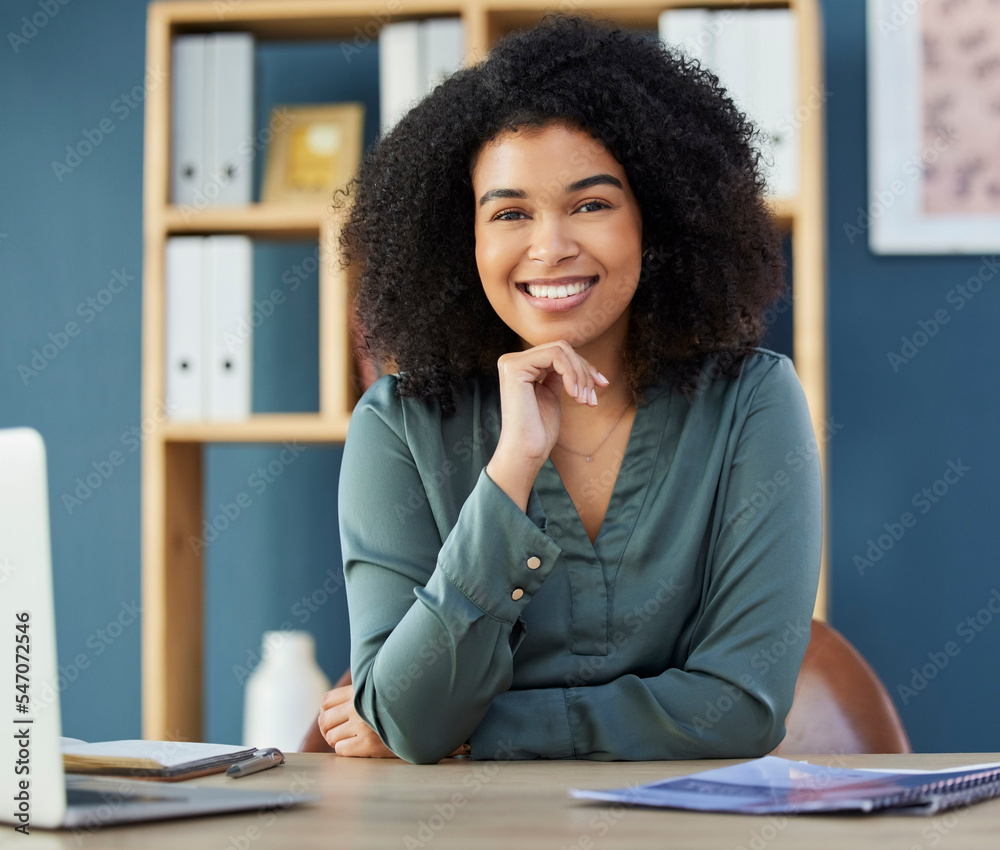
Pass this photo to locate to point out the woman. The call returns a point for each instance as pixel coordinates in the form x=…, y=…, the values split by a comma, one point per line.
x=582, y=517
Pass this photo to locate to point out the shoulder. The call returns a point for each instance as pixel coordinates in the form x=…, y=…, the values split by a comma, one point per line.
x=381, y=408
x=765, y=388
x=769, y=373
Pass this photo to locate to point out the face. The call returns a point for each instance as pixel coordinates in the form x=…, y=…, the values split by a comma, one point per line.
x=558, y=237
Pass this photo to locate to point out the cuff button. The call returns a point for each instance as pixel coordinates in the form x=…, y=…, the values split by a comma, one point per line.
x=517, y=594
x=534, y=563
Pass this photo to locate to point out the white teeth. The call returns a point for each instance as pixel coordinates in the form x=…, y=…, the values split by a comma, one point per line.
x=561, y=291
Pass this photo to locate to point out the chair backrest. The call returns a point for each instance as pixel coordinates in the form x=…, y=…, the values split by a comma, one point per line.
x=840, y=705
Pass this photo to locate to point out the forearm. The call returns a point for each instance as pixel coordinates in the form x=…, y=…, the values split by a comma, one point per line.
x=424, y=681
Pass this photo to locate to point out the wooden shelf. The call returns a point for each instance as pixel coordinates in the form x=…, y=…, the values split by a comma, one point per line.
x=263, y=221
x=293, y=19
x=172, y=456
x=260, y=428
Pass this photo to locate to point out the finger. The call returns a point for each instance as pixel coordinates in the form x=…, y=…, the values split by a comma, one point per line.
x=340, y=732
x=365, y=745
x=576, y=379
x=338, y=696
x=333, y=717
x=355, y=747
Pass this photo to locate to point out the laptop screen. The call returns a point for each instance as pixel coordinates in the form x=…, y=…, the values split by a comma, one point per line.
x=32, y=786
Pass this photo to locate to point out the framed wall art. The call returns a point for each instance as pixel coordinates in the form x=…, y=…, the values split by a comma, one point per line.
x=933, y=127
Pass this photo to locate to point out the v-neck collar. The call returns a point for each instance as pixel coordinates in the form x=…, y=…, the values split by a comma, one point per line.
x=627, y=495
x=592, y=567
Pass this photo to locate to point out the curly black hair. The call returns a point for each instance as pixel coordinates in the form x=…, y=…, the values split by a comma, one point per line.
x=713, y=262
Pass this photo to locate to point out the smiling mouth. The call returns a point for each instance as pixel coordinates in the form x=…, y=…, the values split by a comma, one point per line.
x=555, y=291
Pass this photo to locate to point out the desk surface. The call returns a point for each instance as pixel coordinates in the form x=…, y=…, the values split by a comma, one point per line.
x=468, y=805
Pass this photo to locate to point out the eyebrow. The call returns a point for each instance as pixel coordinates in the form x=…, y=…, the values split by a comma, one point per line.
x=585, y=183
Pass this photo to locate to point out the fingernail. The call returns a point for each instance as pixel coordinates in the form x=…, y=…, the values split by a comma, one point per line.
x=602, y=378
x=593, y=397
x=576, y=391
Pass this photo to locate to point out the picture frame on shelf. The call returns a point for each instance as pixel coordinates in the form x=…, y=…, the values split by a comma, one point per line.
x=315, y=150
x=933, y=166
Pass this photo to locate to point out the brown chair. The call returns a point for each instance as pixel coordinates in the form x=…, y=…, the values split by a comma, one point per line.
x=840, y=705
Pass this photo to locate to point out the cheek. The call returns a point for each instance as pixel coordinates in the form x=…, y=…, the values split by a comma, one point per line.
x=492, y=261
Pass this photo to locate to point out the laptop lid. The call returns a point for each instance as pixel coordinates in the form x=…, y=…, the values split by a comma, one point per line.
x=34, y=790
x=32, y=786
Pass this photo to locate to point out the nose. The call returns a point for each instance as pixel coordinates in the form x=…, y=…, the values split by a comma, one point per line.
x=552, y=240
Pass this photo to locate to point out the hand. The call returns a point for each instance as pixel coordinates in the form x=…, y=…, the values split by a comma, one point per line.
x=345, y=731
x=531, y=386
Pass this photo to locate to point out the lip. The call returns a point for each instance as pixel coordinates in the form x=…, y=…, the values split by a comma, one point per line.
x=558, y=305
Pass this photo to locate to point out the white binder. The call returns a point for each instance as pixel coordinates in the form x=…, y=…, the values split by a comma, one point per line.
x=733, y=58
x=229, y=343
x=691, y=31
x=184, y=314
x=400, y=75
x=775, y=95
x=443, y=47
x=754, y=54
x=187, y=103
x=229, y=66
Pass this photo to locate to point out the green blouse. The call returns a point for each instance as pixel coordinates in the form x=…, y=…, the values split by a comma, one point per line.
x=678, y=634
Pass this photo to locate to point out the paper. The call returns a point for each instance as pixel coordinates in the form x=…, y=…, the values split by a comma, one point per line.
x=774, y=785
x=163, y=754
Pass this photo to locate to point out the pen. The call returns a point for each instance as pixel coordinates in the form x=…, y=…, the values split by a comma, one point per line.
x=260, y=760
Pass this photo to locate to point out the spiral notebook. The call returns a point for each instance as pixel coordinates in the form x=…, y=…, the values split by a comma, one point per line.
x=773, y=785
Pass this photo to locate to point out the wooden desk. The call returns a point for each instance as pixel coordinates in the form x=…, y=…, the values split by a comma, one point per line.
x=467, y=805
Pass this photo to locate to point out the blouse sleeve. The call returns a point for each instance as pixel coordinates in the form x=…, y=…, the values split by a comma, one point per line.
x=433, y=621
x=731, y=696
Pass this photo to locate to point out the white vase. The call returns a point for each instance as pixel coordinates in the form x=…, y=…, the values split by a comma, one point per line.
x=283, y=693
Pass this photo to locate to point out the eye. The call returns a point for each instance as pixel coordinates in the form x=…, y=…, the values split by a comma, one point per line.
x=593, y=206
x=508, y=215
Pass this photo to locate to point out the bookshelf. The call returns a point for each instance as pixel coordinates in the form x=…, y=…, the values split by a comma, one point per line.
x=172, y=472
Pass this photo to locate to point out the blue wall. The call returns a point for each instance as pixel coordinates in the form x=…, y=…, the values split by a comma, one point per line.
x=63, y=240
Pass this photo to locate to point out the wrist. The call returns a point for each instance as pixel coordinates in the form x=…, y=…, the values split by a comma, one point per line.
x=515, y=478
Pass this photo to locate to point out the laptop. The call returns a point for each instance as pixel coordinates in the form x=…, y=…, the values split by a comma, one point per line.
x=34, y=790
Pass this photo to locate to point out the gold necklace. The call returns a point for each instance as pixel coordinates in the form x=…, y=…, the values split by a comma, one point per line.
x=590, y=455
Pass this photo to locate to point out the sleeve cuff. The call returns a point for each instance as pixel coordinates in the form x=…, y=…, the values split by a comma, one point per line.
x=497, y=556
